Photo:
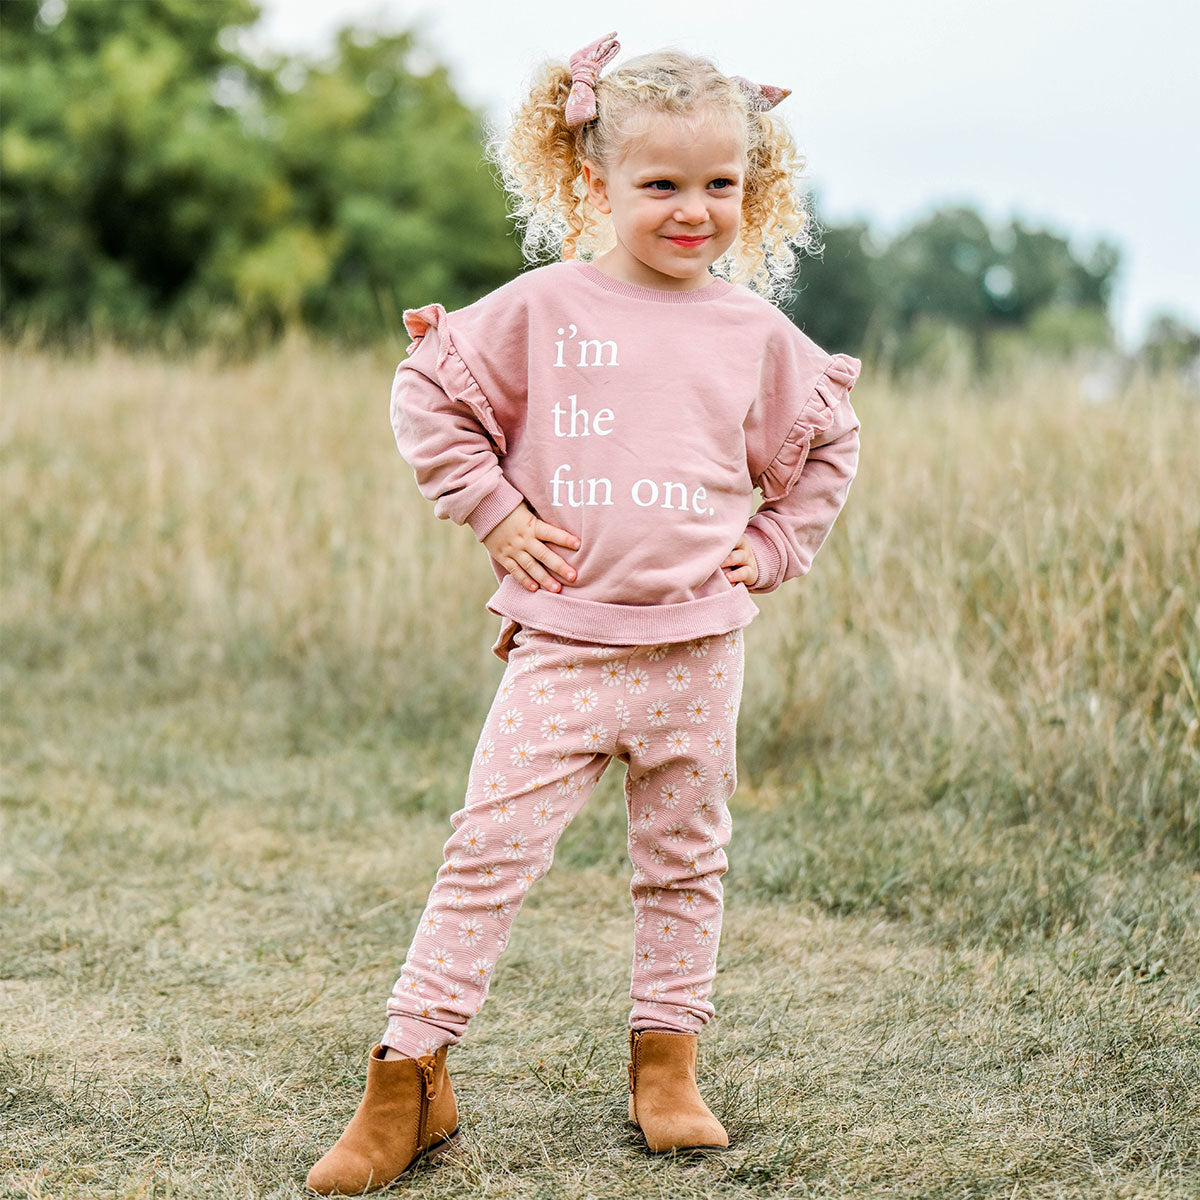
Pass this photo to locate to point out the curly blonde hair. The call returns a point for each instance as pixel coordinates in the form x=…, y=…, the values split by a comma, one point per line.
x=541, y=164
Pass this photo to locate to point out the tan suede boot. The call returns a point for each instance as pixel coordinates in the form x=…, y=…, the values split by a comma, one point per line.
x=664, y=1102
x=408, y=1110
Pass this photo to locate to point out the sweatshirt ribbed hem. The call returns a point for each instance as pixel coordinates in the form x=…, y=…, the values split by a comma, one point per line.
x=634, y=291
x=623, y=624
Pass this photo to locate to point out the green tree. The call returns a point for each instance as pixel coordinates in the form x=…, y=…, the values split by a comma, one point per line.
x=837, y=292
x=153, y=177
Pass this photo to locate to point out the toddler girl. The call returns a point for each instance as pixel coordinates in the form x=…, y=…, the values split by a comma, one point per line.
x=602, y=425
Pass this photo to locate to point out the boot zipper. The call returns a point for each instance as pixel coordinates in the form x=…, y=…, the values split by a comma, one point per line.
x=428, y=1092
x=633, y=1053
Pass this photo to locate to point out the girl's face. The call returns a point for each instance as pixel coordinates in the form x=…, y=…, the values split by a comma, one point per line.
x=675, y=195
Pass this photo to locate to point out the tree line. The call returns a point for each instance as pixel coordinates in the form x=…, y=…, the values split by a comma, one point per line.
x=158, y=184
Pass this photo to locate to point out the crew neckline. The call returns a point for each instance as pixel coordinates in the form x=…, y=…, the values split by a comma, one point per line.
x=635, y=291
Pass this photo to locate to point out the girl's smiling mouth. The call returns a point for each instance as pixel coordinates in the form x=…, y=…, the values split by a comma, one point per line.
x=690, y=241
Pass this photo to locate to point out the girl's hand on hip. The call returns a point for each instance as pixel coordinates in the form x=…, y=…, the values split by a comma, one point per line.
x=740, y=565
x=521, y=545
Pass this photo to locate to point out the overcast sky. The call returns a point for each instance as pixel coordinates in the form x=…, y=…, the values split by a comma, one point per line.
x=1082, y=115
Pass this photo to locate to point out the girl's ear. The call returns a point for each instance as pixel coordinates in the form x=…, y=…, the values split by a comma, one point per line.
x=597, y=186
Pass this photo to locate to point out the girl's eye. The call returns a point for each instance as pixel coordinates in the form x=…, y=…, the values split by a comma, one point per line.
x=721, y=184
x=661, y=185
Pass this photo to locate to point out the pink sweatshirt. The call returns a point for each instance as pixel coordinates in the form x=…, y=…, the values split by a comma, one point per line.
x=642, y=421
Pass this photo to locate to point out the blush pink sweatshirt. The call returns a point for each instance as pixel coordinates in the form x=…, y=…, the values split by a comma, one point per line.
x=642, y=421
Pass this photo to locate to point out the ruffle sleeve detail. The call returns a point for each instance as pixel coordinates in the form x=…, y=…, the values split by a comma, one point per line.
x=453, y=375
x=818, y=416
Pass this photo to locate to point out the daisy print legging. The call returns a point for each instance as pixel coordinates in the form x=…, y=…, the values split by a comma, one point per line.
x=563, y=711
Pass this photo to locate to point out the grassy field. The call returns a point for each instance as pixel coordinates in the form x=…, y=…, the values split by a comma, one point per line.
x=241, y=670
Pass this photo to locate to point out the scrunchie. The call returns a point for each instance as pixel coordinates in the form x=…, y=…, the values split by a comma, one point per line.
x=586, y=65
x=762, y=96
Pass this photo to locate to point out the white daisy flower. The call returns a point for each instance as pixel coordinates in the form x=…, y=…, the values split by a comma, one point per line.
x=733, y=639
x=728, y=778
x=515, y=845
x=411, y=985
x=679, y=678
x=494, y=786
x=534, y=661
x=458, y=896
x=669, y=794
x=584, y=700
x=705, y=932
x=498, y=910
x=697, y=710
x=541, y=691
x=652, y=899
x=688, y=900
x=526, y=878
x=640, y=745
x=566, y=785
x=717, y=742
x=675, y=832
x=646, y=816
x=695, y=993
x=474, y=840
x=440, y=960
x=506, y=688
x=656, y=993
x=612, y=673
x=553, y=727
x=698, y=648
x=697, y=773
x=511, y=720
x=731, y=707
x=621, y=711
x=483, y=755
x=704, y=808
x=692, y=862
x=593, y=737
x=718, y=675
x=658, y=854
x=657, y=653
x=637, y=680
x=470, y=931
x=522, y=754
x=431, y=922
x=658, y=713
x=503, y=811
x=453, y=993
x=681, y=962
x=560, y=758
x=645, y=957
x=543, y=810
x=481, y=968
x=678, y=741
x=489, y=875
x=570, y=668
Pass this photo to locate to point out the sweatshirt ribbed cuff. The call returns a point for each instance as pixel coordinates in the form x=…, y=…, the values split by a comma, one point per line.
x=493, y=508
x=768, y=558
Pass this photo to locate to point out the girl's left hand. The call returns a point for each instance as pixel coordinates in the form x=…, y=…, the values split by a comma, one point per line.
x=740, y=565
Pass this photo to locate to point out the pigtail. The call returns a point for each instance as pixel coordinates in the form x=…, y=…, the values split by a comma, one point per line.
x=541, y=166
x=777, y=220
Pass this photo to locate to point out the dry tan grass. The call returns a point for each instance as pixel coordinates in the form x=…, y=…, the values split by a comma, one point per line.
x=241, y=668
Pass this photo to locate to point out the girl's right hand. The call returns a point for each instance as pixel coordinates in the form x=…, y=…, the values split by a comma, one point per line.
x=519, y=545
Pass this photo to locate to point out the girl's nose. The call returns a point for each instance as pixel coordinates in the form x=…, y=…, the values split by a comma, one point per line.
x=691, y=211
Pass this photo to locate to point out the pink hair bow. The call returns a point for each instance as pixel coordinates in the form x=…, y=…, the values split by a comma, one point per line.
x=762, y=96
x=586, y=65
